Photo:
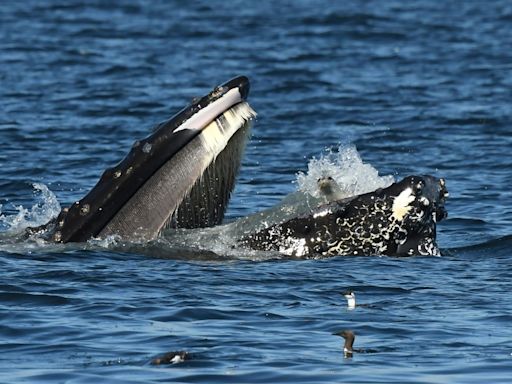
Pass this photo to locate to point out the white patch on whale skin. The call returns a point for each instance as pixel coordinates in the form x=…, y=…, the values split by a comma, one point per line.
x=401, y=204
x=425, y=201
x=322, y=213
x=294, y=247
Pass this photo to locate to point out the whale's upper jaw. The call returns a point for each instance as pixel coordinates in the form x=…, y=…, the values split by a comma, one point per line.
x=188, y=144
x=236, y=89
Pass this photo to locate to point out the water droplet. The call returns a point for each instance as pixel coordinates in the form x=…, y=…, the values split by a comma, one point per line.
x=117, y=174
x=57, y=236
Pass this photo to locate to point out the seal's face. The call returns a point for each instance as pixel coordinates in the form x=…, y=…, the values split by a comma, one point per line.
x=399, y=220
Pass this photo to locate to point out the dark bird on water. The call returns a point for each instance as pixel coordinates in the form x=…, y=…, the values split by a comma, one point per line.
x=348, y=349
x=171, y=358
x=349, y=337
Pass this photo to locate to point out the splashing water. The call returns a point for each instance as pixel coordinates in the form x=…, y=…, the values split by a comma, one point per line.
x=346, y=168
x=40, y=213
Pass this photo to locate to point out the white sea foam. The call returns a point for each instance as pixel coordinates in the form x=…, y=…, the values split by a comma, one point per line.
x=109, y=241
x=40, y=213
x=346, y=167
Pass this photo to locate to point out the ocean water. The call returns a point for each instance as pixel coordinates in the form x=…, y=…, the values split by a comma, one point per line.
x=418, y=87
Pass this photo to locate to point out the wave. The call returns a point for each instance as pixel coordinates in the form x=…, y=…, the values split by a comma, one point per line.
x=498, y=246
x=353, y=176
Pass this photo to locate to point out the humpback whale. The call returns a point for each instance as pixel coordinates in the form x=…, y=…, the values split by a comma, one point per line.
x=181, y=177
x=399, y=220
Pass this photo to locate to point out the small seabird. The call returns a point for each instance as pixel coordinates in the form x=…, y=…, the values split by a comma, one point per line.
x=329, y=189
x=349, y=337
x=171, y=358
x=351, y=298
x=348, y=349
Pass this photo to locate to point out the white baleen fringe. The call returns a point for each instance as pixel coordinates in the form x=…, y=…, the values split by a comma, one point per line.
x=215, y=136
x=212, y=172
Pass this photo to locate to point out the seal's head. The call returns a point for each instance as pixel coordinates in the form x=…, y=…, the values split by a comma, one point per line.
x=329, y=189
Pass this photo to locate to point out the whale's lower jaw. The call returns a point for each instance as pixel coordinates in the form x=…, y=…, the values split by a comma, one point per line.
x=399, y=220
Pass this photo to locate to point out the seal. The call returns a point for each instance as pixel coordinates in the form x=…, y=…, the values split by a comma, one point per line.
x=329, y=189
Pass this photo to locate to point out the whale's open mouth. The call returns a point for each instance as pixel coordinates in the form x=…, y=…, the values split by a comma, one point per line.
x=181, y=175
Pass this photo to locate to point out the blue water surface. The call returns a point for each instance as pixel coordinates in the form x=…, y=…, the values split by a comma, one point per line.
x=418, y=86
